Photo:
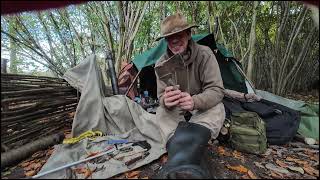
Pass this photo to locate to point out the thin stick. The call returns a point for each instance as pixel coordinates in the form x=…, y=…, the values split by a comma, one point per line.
x=135, y=78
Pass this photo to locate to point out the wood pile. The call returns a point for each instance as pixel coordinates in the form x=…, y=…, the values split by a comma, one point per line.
x=33, y=107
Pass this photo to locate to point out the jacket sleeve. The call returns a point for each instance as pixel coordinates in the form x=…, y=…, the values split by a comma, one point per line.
x=211, y=82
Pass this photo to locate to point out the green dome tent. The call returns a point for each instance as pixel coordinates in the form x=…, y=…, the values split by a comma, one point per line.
x=231, y=77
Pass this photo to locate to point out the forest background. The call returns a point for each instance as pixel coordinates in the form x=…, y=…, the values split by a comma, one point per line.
x=277, y=42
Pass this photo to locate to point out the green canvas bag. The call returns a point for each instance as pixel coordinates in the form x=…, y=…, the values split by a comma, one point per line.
x=248, y=133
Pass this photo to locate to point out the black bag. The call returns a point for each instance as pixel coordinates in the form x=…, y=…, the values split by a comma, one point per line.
x=282, y=123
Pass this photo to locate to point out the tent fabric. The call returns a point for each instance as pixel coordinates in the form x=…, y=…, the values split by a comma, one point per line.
x=117, y=116
x=309, y=124
x=152, y=55
x=232, y=79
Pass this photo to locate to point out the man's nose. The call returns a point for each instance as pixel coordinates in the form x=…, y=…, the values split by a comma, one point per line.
x=175, y=40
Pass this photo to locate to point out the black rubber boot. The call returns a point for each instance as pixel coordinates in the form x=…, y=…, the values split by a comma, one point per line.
x=186, y=149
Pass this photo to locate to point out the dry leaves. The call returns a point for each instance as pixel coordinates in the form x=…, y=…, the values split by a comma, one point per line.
x=92, y=154
x=251, y=175
x=238, y=155
x=30, y=173
x=276, y=175
x=164, y=159
x=80, y=170
x=245, y=176
x=33, y=166
x=132, y=174
x=298, y=161
x=50, y=151
x=25, y=164
x=72, y=114
x=38, y=154
x=281, y=164
x=239, y=168
x=86, y=171
x=222, y=151
x=312, y=155
x=259, y=165
x=310, y=170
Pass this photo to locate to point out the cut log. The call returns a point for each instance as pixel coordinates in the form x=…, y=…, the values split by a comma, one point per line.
x=16, y=155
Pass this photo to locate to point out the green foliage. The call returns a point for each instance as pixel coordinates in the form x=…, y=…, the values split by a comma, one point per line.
x=68, y=35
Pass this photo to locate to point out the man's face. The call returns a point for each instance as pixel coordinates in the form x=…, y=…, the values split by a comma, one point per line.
x=178, y=42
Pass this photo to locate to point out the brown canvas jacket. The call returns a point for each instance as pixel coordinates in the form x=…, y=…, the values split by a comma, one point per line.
x=199, y=75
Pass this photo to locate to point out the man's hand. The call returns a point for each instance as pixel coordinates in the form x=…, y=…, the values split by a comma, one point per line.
x=171, y=96
x=186, y=102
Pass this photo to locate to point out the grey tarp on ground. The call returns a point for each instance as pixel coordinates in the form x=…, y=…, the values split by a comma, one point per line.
x=117, y=116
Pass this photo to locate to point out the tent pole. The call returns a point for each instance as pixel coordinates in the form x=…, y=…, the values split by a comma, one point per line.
x=135, y=78
x=244, y=75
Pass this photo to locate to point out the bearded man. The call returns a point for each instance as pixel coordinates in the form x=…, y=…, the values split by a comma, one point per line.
x=190, y=92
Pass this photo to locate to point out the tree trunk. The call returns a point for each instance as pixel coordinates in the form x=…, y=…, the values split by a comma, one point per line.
x=13, y=48
x=294, y=33
x=121, y=34
x=297, y=63
x=194, y=6
x=210, y=17
x=4, y=63
x=252, y=42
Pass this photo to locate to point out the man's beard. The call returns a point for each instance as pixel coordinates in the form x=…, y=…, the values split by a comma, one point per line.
x=186, y=54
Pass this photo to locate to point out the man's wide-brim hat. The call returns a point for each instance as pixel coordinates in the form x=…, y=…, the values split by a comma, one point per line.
x=174, y=24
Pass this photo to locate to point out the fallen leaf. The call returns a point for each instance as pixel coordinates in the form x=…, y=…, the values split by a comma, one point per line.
x=6, y=173
x=238, y=155
x=277, y=169
x=80, y=170
x=258, y=165
x=268, y=152
x=28, y=168
x=90, y=154
x=134, y=177
x=245, y=176
x=310, y=170
x=296, y=160
x=276, y=175
x=37, y=154
x=251, y=175
x=281, y=164
x=239, y=168
x=49, y=152
x=68, y=135
x=37, y=166
x=310, y=141
x=72, y=114
x=164, y=159
x=30, y=173
x=297, y=169
x=221, y=150
x=25, y=164
x=87, y=173
x=312, y=155
x=132, y=174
